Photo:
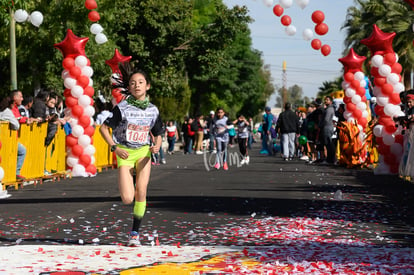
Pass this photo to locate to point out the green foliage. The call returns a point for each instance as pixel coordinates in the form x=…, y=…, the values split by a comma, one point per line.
x=294, y=95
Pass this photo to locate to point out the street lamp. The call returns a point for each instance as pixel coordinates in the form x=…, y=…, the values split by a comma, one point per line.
x=36, y=18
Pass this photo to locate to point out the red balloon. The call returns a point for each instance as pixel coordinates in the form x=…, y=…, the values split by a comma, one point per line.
x=278, y=10
x=396, y=68
x=357, y=114
x=67, y=93
x=77, y=150
x=348, y=76
x=115, y=93
x=379, y=42
x=72, y=46
x=85, y=160
x=374, y=72
x=361, y=91
x=326, y=50
x=89, y=131
x=82, y=81
x=91, y=169
x=390, y=58
x=71, y=101
x=364, y=98
x=89, y=91
x=68, y=63
x=387, y=89
x=84, y=121
x=321, y=28
x=94, y=16
x=390, y=128
x=75, y=72
x=352, y=62
x=363, y=122
x=286, y=20
x=379, y=81
x=394, y=167
x=316, y=44
x=71, y=140
x=90, y=4
x=347, y=99
x=318, y=17
x=77, y=111
x=379, y=141
x=355, y=84
x=350, y=107
x=116, y=59
x=399, y=139
x=395, y=99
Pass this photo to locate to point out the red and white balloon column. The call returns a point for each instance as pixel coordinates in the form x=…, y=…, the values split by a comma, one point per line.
x=356, y=108
x=78, y=94
x=387, y=80
x=114, y=64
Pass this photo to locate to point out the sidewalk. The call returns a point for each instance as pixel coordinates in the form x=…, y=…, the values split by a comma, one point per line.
x=268, y=217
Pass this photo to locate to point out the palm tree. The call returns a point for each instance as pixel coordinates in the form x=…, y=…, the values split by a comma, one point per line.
x=390, y=16
x=330, y=87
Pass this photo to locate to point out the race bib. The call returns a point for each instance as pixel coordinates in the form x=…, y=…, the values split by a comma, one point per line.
x=137, y=133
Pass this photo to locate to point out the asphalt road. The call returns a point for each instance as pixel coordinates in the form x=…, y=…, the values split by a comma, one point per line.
x=190, y=203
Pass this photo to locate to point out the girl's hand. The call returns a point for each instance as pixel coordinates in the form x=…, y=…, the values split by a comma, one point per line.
x=154, y=149
x=121, y=153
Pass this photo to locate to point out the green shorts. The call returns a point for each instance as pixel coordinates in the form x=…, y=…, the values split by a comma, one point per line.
x=134, y=155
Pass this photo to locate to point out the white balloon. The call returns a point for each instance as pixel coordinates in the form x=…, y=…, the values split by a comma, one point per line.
x=389, y=109
x=362, y=83
x=384, y=70
x=350, y=119
x=393, y=78
x=69, y=82
x=90, y=82
x=93, y=160
x=96, y=28
x=376, y=91
x=361, y=106
x=347, y=114
x=350, y=92
x=286, y=3
x=378, y=130
x=89, y=111
x=84, y=101
x=1, y=173
x=101, y=38
x=36, y=18
x=365, y=113
x=377, y=60
x=65, y=74
x=307, y=34
x=399, y=87
x=382, y=100
x=268, y=3
x=79, y=171
x=356, y=99
x=396, y=149
x=373, y=100
x=302, y=3
x=77, y=131
x=87, y=70
x=89, y=150
x=21, y=15
x=81, y=61
x=388, y=139
x=84, y=141
x=359, y=76
x=76, y=91
x=290, y=30
x=72, y=161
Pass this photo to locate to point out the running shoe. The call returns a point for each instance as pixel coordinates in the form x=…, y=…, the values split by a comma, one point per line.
x=133, y=239
x=225, y=166
x=247, y=160
x=217, y=166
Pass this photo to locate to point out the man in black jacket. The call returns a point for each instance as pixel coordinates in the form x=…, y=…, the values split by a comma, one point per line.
x=288, y=127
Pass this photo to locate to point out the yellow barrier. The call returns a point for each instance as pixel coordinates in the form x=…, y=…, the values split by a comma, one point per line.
x=8, y=153
x=40, y=158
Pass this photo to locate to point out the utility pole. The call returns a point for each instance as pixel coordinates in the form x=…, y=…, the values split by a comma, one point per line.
x=284, y=89
x=13, y=68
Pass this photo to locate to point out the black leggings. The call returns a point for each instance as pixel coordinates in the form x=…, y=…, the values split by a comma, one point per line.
x=243, y=146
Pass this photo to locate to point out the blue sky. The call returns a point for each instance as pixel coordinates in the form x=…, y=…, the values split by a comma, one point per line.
x=306, y=67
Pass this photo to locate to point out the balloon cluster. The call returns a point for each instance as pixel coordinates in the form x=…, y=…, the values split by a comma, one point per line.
x=78, y=94
x=36, y=17
x=94, y=16
x=318, y=18
x=114, y=64
x=1, y=169
x=387, y=80
x=356, y=108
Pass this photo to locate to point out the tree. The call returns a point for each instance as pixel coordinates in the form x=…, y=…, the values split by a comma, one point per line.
x=329, y=87
x=390, y=16
x=294, y=96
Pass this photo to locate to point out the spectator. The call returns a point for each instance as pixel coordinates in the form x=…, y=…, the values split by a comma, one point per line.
x=222, y=138
x=288, y=126
x=267, y=124
x=210, y=132
x=25, y=108
x=52, y=118
x=39, y=109
x=103, y=110
x=250, y=129
x=199, y=135
x=327, y=130
x=6, y=106
x=172, y=134
x=242, y=138
x=191, y=128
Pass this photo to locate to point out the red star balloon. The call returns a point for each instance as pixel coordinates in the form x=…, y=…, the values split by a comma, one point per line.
x=379, y=42
x=72, y=45
x=116, y=59
x=352, y=62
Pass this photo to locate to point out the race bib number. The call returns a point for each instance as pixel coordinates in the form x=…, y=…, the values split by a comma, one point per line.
x=137, y=134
